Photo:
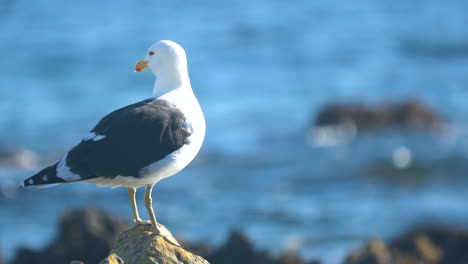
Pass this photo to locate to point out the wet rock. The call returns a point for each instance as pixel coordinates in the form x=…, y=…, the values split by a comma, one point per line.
x=431, y=245
x=374, y=252
x=292, y=257
x=359, y=117
x=140, y=245
x=86, y=235
x=238, y=249
x=112, y=259
x=437, y=49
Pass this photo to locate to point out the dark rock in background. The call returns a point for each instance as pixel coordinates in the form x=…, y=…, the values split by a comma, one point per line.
x=412, y=114
x=430, y=244
x=86, y=235
x=375, y=251
x=239, y=249
x=89, y=235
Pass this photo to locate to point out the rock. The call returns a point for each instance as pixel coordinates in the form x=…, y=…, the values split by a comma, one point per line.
x=374, y=252
x=112, y=259
x=238, y=249
x=139, y=245
x=434, y=244
x=436, y=49
x=86, y=235
x=292, y=257
x=430, y=244
x=412, y=114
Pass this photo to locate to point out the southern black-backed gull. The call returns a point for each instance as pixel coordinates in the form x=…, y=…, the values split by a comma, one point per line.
x=142, y=143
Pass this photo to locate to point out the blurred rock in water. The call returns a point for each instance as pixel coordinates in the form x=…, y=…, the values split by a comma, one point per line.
x=430, y=244
x=359, y=117
x=448, y=169
x=86, y=235
x=415, y=174
x=18, y=157
x=440, y=48
x=375, y=251
x=89, y=235
x=239, y=249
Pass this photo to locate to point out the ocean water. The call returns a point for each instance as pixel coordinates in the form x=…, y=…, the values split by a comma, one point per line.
x=261, y=70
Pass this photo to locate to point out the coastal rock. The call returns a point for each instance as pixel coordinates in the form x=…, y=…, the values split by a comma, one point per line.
x=140, y=245
x=375, y=251
x=112, y=259
x=430, y=244
x=238, y=249
x=412, y=114
x=86, y=235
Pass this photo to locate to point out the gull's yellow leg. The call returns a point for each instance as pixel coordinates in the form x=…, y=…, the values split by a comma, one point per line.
x=157, y=228
x=149, y=207
x=136, y=216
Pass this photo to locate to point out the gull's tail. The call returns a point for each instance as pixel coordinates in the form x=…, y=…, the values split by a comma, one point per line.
x=44, y=177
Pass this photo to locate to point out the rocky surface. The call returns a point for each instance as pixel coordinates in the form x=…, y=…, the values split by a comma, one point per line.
x=239, y=249
x=86, y=235
x=412, y=114
x=111, y=259
x=430, y=244
x=140, y=245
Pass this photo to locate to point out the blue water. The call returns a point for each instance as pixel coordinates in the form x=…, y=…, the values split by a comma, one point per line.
x=261, y=70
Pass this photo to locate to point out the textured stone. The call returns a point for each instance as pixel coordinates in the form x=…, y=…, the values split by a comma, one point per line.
x=424, y=245
x=239, y=249
x=139, y=245
x=112, y=259
x=85, y=235
x=374, y=252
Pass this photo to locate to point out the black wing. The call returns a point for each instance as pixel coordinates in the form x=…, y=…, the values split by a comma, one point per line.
x=134, y=137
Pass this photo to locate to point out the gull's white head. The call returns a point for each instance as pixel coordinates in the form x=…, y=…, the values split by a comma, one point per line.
x=164, y=57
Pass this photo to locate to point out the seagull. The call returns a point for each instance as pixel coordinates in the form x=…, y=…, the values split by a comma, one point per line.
x=142, y=143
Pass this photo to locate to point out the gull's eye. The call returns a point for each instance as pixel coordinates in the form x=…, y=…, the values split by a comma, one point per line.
x=151, y=53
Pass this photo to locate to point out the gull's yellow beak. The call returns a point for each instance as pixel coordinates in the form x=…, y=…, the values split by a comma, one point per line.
x=141, y=66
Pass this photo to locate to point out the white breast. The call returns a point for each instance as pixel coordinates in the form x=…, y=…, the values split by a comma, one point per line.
x=195, y=123
x=185, y=100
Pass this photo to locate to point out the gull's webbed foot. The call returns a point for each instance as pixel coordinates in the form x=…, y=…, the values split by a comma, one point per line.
x=162, y=231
